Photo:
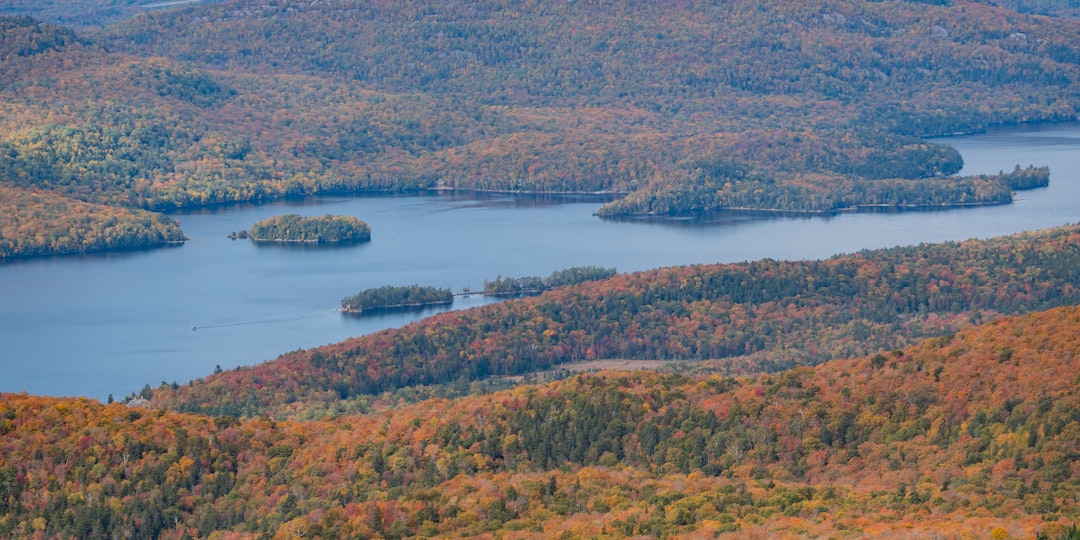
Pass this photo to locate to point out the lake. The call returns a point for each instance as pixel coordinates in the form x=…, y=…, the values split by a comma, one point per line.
x=109, y=324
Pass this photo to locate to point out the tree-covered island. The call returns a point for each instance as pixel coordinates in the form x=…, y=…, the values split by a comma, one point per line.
x=328, y=229
x=535, y=284
x=391, y=297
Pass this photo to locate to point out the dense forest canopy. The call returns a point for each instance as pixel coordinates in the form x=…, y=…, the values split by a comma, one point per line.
x=813, y=106
x=957, y=436
x=91, y=13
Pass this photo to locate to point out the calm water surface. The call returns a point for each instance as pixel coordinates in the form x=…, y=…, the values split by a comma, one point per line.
x=99, y=325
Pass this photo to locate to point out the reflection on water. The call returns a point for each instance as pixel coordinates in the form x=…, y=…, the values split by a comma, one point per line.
x=304, y=246
x=713, y=219
x=418, y=311
x=104, y=256
x=487, y=199
x=467, y=198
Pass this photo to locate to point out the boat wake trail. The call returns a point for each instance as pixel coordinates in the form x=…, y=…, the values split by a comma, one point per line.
x=295, y=316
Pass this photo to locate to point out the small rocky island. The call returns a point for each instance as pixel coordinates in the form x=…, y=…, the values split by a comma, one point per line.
x=394, y=298
x=292, y=228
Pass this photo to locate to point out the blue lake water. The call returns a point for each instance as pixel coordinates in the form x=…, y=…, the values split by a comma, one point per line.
x=108, y=324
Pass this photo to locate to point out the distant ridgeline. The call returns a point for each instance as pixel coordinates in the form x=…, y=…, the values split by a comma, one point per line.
x=535, y=284
x=291, y=228
x=390, y=297
x=88, y=13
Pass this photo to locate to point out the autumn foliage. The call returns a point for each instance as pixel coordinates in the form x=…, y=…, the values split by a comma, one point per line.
x=808, y=106
x=921, y=390
x=958, y=435
x=36, y=222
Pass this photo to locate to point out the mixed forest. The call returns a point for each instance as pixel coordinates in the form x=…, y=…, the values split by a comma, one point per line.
x=971, y=434
x=327, y=229
x=811, y=107
x=918, y=390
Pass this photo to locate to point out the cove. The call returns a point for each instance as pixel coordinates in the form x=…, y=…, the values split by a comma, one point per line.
x=108, y=324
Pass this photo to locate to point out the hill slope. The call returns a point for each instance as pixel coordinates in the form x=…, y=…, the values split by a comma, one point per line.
x=36, y=222
x=960, y=435
x=738, y=104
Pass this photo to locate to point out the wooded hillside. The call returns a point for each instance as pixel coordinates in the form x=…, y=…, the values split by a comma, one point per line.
x=799, y=104
x=37, y=222
x=970, y=434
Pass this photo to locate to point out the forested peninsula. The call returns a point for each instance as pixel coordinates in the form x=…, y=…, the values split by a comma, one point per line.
x=36, y=222
x=811, y=107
